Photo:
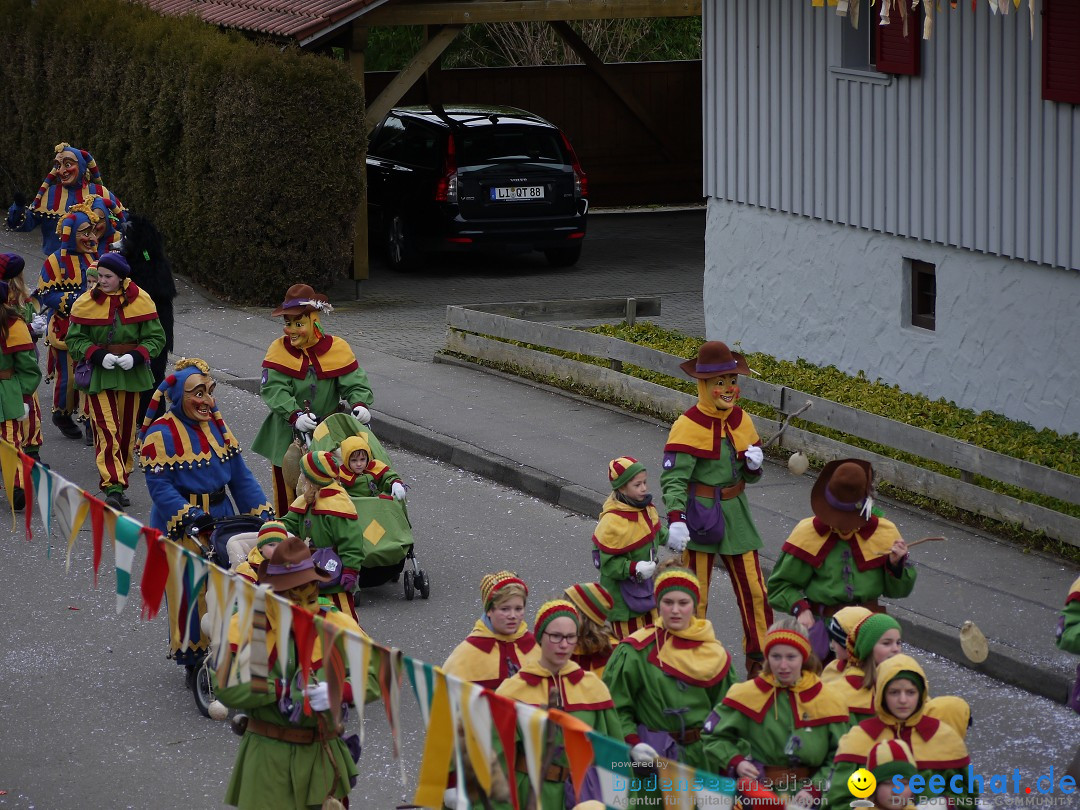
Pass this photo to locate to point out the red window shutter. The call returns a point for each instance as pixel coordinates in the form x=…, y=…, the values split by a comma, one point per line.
x=1061, y=51
x=897, y=53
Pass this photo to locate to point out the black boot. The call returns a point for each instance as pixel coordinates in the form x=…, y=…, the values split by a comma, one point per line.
x=66, y=424
x=124, y=499
x=112, y=498
x=88, y=433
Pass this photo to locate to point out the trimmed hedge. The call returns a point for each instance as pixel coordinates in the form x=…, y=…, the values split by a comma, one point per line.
x=248, y=156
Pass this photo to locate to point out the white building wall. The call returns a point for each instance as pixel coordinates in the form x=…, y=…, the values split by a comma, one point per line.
x=1007, y=332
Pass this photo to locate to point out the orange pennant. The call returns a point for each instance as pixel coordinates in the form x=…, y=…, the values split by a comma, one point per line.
x=579, y=751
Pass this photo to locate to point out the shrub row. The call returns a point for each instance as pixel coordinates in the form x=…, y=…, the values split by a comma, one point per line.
x=247, y=155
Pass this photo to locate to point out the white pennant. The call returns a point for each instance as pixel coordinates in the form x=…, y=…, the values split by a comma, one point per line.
x=284, y=633
x=44, y=493
x=358, y=651
x=66, y=505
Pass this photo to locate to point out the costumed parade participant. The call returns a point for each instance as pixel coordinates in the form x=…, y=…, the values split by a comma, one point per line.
x=193, y=464
x=363, y=476
x=782, y=727
x=63, y=280
x=886, y=761
x=22, y=301
x=73, y=179
x=900, y=714
x=665, y=679
x=844, y=555
x=306, y=373
x=553, y=681
x=271, y=534
x=500, y=643
x=290, y=756
x=626, y=542
x=595, y=641
x=114, y=329
x=873, y=640
x=324, y=516
x=712, y=452
x=19, y=378
x=1068, y=634
x=841, y=626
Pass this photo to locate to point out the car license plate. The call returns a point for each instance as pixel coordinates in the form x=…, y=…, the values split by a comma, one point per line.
x=516, y=193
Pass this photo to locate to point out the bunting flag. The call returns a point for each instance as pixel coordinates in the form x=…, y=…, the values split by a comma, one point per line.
x=97, y=528
x=438, y=747
x=304, y=633
x=260, y=653
x=283, y=634
x=504, y=718
x=9, y=465
x=71, y=509
x=612, y=759
x=576, y=743
x=241, y=673
x=422, y=678
x=333, y=665
x=454, y=692
x=220, y=595
x=187, y=578
x=127, y=540
x=390, y=663
x=675, y=782
x=712, y=791
x=358, y=653
x=478, y=726
x=27, y=478
x=532, y=723
x=155, y=574
x=44, y=490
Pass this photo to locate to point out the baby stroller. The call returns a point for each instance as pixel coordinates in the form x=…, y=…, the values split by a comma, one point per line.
x=383, y=522
x=236, y=534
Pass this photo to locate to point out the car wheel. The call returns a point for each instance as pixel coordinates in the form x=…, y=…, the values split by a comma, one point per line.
x=401, y=250
x=563, y=257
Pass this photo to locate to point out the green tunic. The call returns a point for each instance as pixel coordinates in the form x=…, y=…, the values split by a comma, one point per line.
x=148, y=334
x=740, y=533
x=17, y=356
x=1070, y=632
x=328, y=531
x=625, y=535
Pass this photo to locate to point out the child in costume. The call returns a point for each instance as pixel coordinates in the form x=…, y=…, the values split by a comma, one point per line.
x=192, y=464
x=595, y=641
x=363, y=476
x=290, y=757
x=665, y=679
x=554, y=681
x=1068, y=633
x=73, y=179
x=19, y=378
x=873, y=640
x=23, y=302
x=886, y=761
x=114, y=328
x=712, y=453
x=900, y=713
x=626, y=541
x=324, y=515
x=841, y=626
x=500, y=643
x=63, y=280
x=306, y=373
x=782, y=727
x=271, y=534
x=844, y=555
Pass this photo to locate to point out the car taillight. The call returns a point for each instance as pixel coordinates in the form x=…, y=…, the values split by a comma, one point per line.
x=446, y=188
x=581, y=180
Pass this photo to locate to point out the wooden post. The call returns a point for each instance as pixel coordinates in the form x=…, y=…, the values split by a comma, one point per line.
x=631, y=311
x=360, y=264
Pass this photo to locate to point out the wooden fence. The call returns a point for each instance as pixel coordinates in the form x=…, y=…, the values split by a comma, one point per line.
x=471, y=329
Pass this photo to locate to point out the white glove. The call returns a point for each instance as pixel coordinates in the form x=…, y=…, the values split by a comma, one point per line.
x=306, y=422
x=643, y=754
x=125, y=361
x=362, y=414
x=753, y=457
x=109, y=361
x=319, y=696
x=677, y=536
x=449, y=797
x=38, y=324
x=25, y=412
x=397, y=489
x=644, y=569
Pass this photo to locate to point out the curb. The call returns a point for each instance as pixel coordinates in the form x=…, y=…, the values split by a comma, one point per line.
x=1003, y=664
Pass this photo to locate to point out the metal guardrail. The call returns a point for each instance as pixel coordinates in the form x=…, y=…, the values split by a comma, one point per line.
x=470, y=330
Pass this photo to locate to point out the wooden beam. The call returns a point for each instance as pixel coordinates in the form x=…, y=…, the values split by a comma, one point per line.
x=498, y=11
x=361, y=267
x=416, y=68
x=621, y=91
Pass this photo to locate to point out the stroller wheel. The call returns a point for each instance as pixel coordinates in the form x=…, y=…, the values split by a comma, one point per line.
x=424, y=584
x=410, y=588
x=201, y=689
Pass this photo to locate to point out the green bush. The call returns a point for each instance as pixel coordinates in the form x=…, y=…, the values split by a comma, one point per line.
x=246, y=155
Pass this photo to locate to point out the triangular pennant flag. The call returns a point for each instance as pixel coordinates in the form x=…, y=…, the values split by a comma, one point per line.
x=284, y=635
x=333, y=665
x=97, y=528
x=675, y=784
x=245, y=597
x=27, y=479
x=261, y=640
x=477, y=722
x=9, y=466
x=70, y=509
x=390, y=686
x=710, y=791
x=358, y=651
x=438, y=747
x=127, y=540
x=454, y=693
x=422, y=677
x=532, y=722
x=579, y=751
x=155, y=574
x=220, y=596
x=304, y=633
x=44, y=489
x=611, y=760
x=504, y=718
x=195, y=571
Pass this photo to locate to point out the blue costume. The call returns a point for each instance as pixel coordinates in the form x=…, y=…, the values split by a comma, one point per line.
x=189, y=464
x=54, y=199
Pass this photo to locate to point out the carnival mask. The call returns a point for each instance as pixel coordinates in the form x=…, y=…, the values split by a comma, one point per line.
x=723, y=391
x=302, y=331
x=199, y=397
x=67, y=168
x=86, y=240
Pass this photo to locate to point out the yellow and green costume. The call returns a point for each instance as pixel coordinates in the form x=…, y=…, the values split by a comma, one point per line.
x=488, y=658
x=1069, y=640
x=330, y=521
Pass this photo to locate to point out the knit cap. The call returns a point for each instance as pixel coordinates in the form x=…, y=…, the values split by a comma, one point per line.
x=491, y=583
x=116, y=264
x=273, y=531
x=555, y=609
x=868, y=632
x=620, y=470
x=844, y=621
x=889, y=759
x=11, y=265
x=792, y=638
x=678, y=579
x=592, y=599
x=319, y=468
x=351, y=444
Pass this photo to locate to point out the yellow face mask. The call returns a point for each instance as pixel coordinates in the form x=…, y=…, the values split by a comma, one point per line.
x=306, y=596
x=718, y=395
x=303, y=331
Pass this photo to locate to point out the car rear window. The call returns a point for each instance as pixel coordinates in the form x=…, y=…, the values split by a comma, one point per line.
x=493, y=144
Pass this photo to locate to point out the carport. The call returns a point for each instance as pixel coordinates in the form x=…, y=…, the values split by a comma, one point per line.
x=318, y=25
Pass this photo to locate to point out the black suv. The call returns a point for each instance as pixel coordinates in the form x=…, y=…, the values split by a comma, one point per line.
x=474, y=178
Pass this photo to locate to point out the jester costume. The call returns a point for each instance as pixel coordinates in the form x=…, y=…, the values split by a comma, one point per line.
x=11, y=273
x=703, y=481
x=63, y=280
x=937, y=747
x=488, y=658
x=1069, y=631
x=19, y=378
x=191, y=469
x=376, y=479
x=54, y=198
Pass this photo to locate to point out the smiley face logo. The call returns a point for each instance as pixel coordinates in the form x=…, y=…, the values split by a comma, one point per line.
x=861, y=783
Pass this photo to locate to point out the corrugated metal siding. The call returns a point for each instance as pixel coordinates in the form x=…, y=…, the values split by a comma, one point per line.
x=967, y=154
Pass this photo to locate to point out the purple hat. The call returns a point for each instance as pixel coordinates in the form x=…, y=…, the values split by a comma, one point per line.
x=115, y=263
x=11, y=265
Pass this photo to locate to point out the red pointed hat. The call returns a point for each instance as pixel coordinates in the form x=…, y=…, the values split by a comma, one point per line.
x=713, y=359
